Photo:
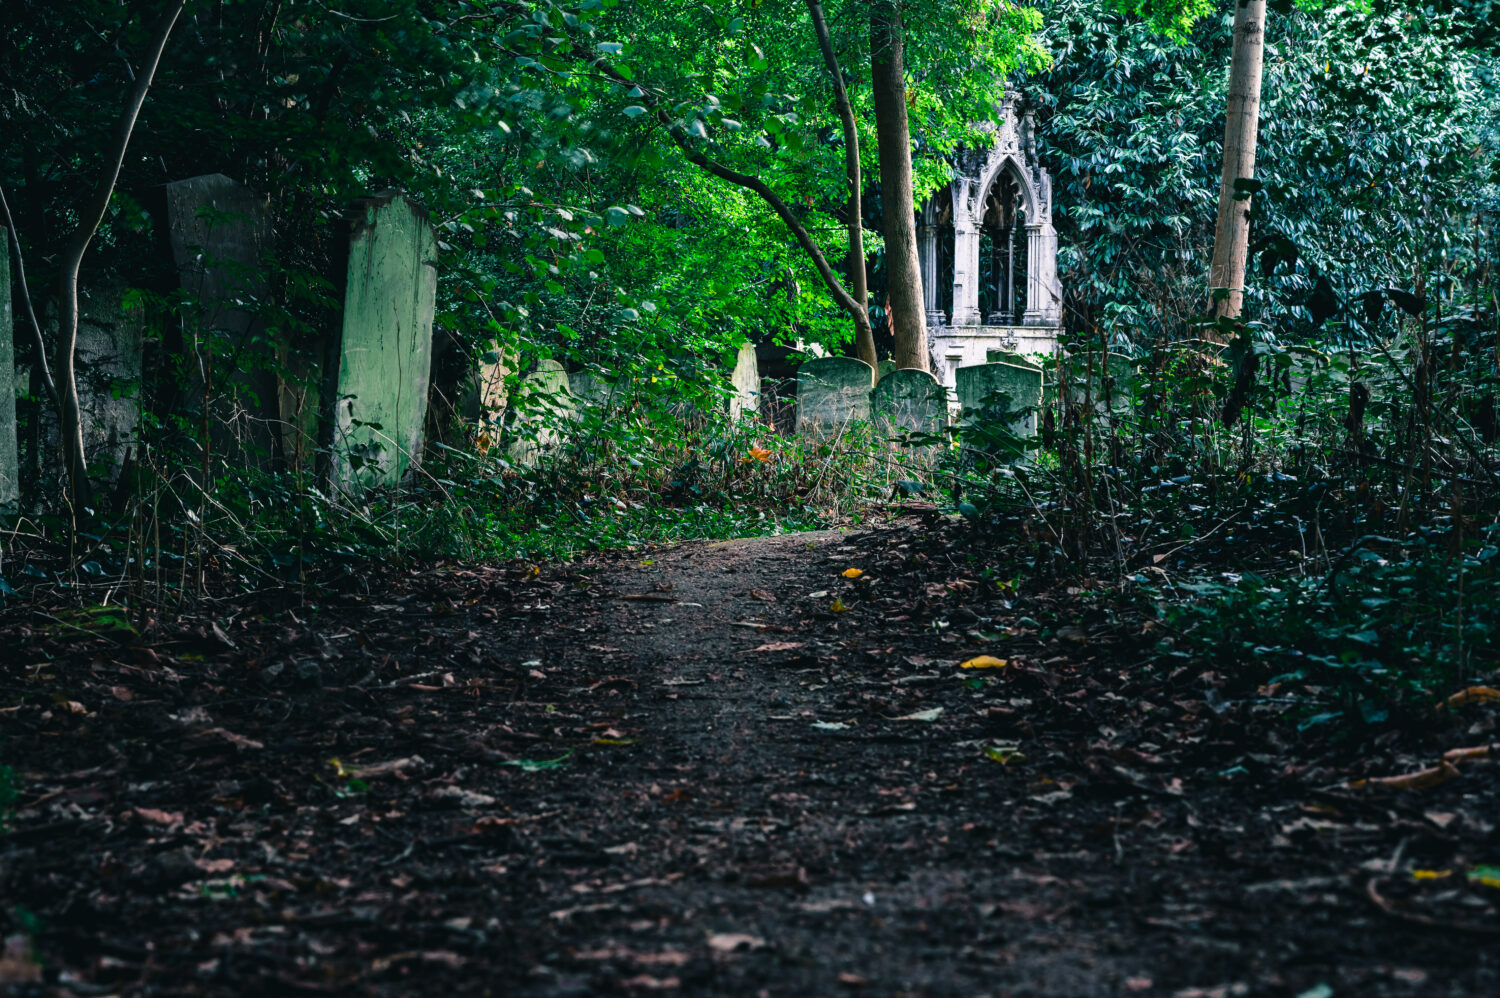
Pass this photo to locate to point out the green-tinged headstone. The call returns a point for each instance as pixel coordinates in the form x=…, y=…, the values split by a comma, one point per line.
x=991, y=395
x=543, y=405
x=220, y=233
x=385, y=346
x=910, y=401
x=744, y=403
x=832, y=393
x=10, y=471
x=109, y=377
x=597, y=390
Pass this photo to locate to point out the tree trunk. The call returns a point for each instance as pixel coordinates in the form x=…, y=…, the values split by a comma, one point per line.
x=864, y=337
x=1232, y=234
x=90, y=217
x=899, y=216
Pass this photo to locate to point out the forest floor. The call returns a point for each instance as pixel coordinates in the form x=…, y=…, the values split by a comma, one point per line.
x=715, y=768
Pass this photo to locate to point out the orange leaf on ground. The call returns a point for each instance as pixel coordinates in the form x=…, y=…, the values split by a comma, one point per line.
x=1474, y=694
x=1422, y=779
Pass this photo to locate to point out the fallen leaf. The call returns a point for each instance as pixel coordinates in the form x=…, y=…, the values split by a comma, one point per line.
x=763, y=595
x=1474, y=694
x=1489, y=876
x=984, y=662
x=852, y=573
x=1422, y=779
x=779, y=646
x=157, y=817
x=932, y=714
x=730, y=942
x=615, y=741
x=852, y=980
x=121, y=693
x=1430, y=874
x=1005, y=754
x=837, y=606
x=830, y=725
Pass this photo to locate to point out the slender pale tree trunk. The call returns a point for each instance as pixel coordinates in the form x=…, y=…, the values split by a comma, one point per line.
x=90, y=216
x=893, y=141
x=864, y=337
x=1232, y=234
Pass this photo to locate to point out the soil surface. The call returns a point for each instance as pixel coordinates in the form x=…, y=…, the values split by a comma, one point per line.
x=719, y=768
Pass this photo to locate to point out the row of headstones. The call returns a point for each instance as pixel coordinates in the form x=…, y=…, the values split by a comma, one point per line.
x=362, y=395
x=834, y=393
x=549, y=397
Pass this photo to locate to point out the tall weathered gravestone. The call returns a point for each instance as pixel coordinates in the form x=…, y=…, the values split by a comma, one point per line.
x=109, y=376
x=832, y=393
x=744, y=402
x=998, y=392
x=384, y=356
x=10, y=470
x=544, y=403
x=910, y=401
x=220, y=234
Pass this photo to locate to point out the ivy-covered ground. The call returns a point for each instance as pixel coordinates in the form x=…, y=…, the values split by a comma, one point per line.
x=750, y=767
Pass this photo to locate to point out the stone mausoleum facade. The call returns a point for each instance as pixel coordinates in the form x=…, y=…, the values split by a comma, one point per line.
x=989, y=253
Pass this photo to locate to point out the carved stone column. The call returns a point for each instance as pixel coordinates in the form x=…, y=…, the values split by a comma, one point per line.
x=965, y=256
x=928, y=258
x=1043, y=291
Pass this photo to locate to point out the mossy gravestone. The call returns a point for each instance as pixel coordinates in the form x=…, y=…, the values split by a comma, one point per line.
x=910, y=401
x=384, y=356
x=10, y=472
x=220, y=233
x=832, y=393
x=744, y=403
x=544, y=404
x=992, y=398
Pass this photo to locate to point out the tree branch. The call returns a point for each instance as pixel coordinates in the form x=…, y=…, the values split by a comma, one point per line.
x=90, y=217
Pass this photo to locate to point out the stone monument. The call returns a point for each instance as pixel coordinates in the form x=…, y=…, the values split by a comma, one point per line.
x=1002, y=194
x=910, y=401
x=832, y=392
x=384, y=349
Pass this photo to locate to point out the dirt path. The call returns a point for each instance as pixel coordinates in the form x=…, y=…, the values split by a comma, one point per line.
x=712, y=769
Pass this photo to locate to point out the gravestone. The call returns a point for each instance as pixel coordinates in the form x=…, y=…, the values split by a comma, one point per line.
x=979, y=385
x=108, y=369
x=543, y=404
x=220, y=234
x=10, y=468
x=384, y=355
x=910, y=400
x=596, y=390
x=487, y=393
x=832, y=393
x=744, y=403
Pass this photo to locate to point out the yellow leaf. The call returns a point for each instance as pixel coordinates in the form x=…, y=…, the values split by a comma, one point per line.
x=1005, y=754
x=838, y=606
x=1489, y=876
x=852, y=573
x=614, y=741
x=985, y=662
x=760, y=453
x=1474, y=694
x=339, y=766
x=1430, y=874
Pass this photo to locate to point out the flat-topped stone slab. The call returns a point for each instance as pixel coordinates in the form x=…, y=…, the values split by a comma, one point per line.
x=220, y=233
x=384, y=358
x=909, y=401
x=832, y=394
x=544, y=404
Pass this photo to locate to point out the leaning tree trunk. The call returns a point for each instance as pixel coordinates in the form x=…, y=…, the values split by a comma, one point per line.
x=1232, y=234
x=893, y=140
x=864, y=337
x=90, y=217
